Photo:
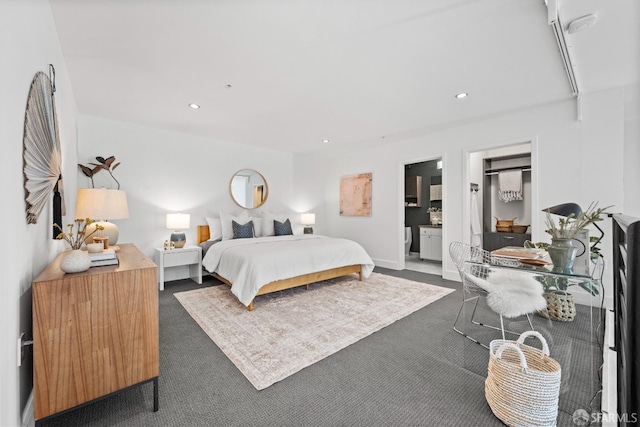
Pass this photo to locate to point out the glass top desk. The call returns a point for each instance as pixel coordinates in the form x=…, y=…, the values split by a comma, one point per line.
x=576, y=344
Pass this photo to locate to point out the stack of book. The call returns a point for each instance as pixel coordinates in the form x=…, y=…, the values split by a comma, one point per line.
x=106, y=257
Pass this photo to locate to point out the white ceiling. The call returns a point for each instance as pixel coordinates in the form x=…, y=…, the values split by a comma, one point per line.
x=286, y=74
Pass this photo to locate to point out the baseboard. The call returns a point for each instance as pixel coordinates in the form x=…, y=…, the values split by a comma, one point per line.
x=27, y=414
x=609, y=403
x=582, y=297
x=392, y=265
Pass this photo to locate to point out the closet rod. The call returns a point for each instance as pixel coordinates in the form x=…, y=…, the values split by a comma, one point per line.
x=509, y=169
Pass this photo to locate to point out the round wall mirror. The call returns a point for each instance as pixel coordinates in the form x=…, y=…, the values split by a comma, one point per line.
x=248, y=189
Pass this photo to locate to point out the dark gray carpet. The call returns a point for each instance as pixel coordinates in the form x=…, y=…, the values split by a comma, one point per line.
x=417, y=371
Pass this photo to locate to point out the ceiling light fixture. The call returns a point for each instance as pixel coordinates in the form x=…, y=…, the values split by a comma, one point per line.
x=461, y=95
x=194, y=106
x=325, y=141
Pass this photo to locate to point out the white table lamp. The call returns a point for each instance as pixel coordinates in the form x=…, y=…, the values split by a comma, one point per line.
x=100, y=205
x=178, y=222
x=308, y=219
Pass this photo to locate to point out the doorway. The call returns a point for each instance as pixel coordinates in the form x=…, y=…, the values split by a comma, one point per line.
x=488, y=203
x=423, y=216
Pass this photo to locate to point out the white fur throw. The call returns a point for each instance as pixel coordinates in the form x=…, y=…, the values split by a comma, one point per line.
x=512, y=293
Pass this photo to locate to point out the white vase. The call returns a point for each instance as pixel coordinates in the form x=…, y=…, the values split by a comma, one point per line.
x=75, y=261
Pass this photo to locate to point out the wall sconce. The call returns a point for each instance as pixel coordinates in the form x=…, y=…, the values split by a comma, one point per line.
x=308, y=219
x=178, y=222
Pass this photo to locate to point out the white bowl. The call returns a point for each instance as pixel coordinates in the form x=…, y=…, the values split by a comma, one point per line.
x=95, y=247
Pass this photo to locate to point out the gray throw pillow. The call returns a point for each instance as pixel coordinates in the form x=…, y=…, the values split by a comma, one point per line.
x=242, y=231
x=282, y=228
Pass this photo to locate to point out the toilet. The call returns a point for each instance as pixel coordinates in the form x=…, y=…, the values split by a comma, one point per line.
x=407, y=240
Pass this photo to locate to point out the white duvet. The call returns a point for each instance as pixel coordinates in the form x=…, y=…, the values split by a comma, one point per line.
x=250, y=264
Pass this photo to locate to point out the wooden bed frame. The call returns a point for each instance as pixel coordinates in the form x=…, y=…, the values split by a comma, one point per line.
x=279, y=285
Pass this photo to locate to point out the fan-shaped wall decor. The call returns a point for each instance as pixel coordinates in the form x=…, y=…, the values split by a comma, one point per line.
x=41, y=150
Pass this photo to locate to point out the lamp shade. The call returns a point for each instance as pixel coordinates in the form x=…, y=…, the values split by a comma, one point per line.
x=308, y=218
x=178, y=221
x=102, y=204
x=564, y=209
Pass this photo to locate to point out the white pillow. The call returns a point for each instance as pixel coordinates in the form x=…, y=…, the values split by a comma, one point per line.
x=267, y=222
x=257, y=226
x=215, y=228
x=226, y=219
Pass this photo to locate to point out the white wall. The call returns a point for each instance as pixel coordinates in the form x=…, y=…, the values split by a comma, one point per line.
x=572, y=161
x=632, y=150
x=308, y=190
x=28, y=43
x=167, y=172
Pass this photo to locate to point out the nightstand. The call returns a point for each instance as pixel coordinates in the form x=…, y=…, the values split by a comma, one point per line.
x=189, y=255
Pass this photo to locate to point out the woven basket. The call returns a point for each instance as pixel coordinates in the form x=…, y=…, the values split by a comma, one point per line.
x=523, y=382
x=560, y=306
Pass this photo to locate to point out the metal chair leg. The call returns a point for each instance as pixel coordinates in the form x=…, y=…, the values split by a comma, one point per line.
x=501, y=328
x=475, y=322
x=456, y=322
x=530, y=324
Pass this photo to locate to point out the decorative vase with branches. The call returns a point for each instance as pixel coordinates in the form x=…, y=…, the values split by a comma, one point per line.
x=561, y=250
x=76, y=237
x=76, y=260
x=569, y=227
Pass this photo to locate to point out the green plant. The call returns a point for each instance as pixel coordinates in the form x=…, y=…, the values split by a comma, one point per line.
x=76, y=238
x=569, y=227
x=560, y=283
x=538, y=245
x=595, y=250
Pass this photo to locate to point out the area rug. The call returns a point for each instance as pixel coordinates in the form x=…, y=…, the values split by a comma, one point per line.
x=292, y=329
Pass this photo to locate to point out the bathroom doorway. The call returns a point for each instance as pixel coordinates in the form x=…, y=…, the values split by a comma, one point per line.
x=423, y=216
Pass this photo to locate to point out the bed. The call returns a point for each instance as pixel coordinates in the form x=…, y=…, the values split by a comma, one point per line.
x=262, y=265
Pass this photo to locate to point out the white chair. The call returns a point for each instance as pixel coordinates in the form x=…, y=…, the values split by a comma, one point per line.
x=509, y=293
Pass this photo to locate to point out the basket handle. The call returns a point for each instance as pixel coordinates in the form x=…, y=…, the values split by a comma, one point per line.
x=524, y=335
x=523, y=360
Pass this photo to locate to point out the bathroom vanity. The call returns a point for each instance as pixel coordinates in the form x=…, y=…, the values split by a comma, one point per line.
x=431, y=242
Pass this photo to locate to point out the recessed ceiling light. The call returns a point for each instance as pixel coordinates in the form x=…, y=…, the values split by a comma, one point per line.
x=194, y=106
x=461, y=95
x=325, y=141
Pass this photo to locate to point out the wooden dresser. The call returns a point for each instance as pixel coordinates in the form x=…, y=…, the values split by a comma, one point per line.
x=94, y=333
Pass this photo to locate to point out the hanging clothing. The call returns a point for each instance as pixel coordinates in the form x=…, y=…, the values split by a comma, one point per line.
x=476, y=228
x=510, y=185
